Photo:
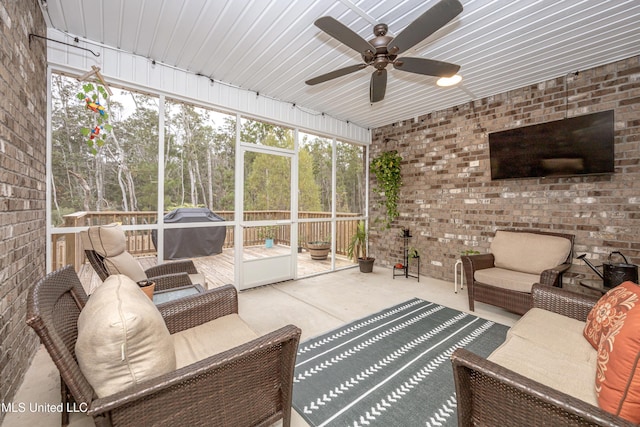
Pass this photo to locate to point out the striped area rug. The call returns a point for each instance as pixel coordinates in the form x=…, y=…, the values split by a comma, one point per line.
x=389, y=369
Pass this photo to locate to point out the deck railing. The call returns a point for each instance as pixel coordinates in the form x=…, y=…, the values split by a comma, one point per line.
x=67, y=248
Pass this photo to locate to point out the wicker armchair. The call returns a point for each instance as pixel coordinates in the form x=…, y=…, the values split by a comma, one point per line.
x=513, y=300
x=168, y=275
x=247, y=385
x=111, y=240
x=491, y=395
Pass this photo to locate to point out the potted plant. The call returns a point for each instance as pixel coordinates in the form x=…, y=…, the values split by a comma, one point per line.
x=148, y=287
x=268, y=233
x=386, y=169
x=413, y=253
x=358, y=247
x=319, y=249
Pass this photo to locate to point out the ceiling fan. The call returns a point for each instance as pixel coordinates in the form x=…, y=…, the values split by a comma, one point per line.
x=383, y=50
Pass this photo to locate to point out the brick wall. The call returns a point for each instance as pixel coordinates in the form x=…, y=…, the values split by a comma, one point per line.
x=450, y=203
x=23, y=89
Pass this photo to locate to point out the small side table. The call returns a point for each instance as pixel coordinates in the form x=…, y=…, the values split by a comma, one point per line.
x=458, y=276
x=175, y=293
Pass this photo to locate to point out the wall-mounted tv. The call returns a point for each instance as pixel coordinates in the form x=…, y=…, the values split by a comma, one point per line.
x=582, y=145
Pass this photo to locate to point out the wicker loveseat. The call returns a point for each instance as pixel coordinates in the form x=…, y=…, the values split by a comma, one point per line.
x=518, y=259
x=500, y=390
x=248, y=382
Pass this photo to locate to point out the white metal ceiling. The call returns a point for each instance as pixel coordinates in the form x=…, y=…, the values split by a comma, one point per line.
x=272, y=47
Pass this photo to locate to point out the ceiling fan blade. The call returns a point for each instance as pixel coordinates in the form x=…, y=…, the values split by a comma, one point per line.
x=378, y=85
x=335, y=74
x=344, y=34
x=428, y=67
x=425, y=25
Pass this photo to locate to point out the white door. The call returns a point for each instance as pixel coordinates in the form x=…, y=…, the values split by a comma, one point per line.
x=266, y=239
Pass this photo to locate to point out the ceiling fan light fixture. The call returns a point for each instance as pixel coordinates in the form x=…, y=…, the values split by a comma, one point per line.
x=449, y=81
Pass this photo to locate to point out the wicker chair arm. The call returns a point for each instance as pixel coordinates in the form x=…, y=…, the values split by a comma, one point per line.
x=186, y=266
x=489, y=394
x=562, y=301
x=478, y=262
x=194, y=310
x=170, y=281
x=215, y=389
x=552, y=276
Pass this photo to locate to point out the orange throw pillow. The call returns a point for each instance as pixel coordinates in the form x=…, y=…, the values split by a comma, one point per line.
x=605, y=312
x=618, y=370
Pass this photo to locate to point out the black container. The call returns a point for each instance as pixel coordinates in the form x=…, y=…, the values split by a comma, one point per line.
x=616, y=273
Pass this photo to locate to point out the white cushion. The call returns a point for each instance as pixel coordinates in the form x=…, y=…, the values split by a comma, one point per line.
x=529, y=252
x=550, y=349
x=506, y=279
x=216, y=336
x=122, y=338
x=107, y=240
x=125, y=264
x=110, y=243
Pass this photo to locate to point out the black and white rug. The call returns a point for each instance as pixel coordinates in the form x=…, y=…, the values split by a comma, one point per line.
x=389, y=369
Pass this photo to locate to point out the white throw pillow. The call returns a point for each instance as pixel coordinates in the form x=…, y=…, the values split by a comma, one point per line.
x=122, y=338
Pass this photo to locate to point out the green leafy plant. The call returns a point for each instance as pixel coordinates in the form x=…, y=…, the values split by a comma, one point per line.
x=470, y=252
x=267, y=232
x=386, y=169
x=358, y=244
x=413, y=252
x=91, y=95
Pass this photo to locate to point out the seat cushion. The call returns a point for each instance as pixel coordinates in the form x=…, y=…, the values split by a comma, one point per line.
x=110, y=243
x=107, y=240
x=550, y=349
x=618, y=367
x=216, y=336
x=122, y=338
x=529, y=252
x=125, y=264
x=507, y=279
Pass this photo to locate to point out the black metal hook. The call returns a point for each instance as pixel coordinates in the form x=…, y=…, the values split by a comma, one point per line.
x=64, y=43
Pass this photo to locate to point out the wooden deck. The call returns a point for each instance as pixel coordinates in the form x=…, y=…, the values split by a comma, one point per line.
x=219, y=269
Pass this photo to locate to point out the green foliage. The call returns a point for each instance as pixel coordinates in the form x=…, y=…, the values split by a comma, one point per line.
x=386, y=169
x=267, y=232
x=358, y=243
x=413, y=252
x=470, y=252
x=96, y=134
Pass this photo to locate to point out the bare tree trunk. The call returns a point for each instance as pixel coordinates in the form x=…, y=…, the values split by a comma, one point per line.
x=86, y=188
x=200, y=181
x=194, y=190
x=210, y=178
x=98, y=168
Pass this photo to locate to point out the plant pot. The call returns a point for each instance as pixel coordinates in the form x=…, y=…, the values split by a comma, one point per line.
x=366, y=264
x=319, y=250
x=268, y=243
x=148, y=287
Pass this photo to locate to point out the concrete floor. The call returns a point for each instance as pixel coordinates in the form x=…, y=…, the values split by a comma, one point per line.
x=316, y=305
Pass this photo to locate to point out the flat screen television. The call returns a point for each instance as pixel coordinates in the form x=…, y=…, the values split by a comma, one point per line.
x=582, y=145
